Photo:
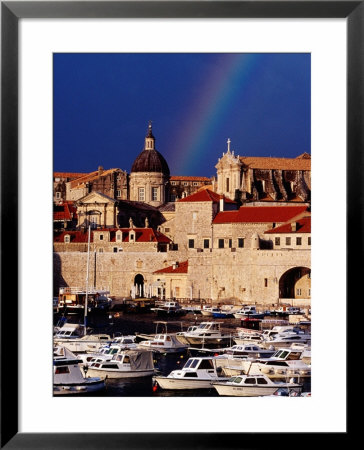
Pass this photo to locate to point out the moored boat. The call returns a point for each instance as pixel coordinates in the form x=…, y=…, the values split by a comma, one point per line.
x=254, y=386
x=67, y=375
x=197, y=373
x=206, y=334
x=127, y=364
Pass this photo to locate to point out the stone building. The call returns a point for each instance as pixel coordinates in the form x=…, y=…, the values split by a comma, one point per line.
x=112, y=182
x=263, y=179
x=60, y=180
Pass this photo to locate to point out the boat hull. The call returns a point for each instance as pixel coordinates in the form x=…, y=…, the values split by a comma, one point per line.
x=83, y=388
x=115, y=373
x=251, y=391
x=183, y=383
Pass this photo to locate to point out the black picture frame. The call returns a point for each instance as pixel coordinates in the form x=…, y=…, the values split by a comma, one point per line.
x=11, y=12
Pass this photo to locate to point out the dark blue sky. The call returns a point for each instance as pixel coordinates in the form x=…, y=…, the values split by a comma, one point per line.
x=103, y=102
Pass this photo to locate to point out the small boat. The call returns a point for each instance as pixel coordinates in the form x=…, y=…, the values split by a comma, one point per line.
x=171, y=308
x=197, y=373
x=108, y=351
x=284, y=311
x=248, y=351
x=163, y=343
x=67, y=375
x=126, y=364
x=222, y=314
x=254, y=386
x=283, y=364
x=286, y=339
x=249, y=311
x=72, y=300
x=69, y=336
x=206, y=334
x=210, y=311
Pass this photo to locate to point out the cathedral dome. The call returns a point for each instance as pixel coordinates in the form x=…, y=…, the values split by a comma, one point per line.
x=149, y=159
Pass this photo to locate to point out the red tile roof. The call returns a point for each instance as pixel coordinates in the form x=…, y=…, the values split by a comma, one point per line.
x=64, y=211
x=303, y=225
x=181, y=268
x=205, y=195
x=67, y=175
x=259, y=214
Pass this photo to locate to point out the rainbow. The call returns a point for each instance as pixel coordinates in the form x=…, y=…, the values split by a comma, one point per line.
x=215, y=100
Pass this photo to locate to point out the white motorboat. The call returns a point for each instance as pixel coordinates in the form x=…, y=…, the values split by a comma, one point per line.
x=248, y=351
x=284, y=363
x=108, y=351
x=286, y=339
x=67, y=375
x=254, y=386
x=69, y=337
x=197, y=373
x=210, y=311
x=73, y=300
x=249, y=311
x=207, y=334
x=170, y=308
x=244, y=338
x=163, y=343
x=126, y=364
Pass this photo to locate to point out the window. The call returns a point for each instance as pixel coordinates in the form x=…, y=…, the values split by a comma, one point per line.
x=191, y=243
x=141, y=195
x=250, y=381
x=185, y=183
x=195, y=183
x=288, y=241
x=101, y=250
x=221, y=243
x=154, y=194
x=299, y=291
x=241, y=242
x=167, y=230
x=67, y=239
x=206, y=243
x=265, y=282
x=230, y=243
x=298, y=241
x=58, y=195
x=262, y=381
x=277, y=241
x=118, y=193
x=101, y=237
x=227, y=184
x=115, y=249
x=309, y=240
x=173, y=183
x=194, y=215
x=118, y=237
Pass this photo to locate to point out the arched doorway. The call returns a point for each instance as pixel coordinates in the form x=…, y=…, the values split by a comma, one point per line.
x=139, y=285
x=295, y=283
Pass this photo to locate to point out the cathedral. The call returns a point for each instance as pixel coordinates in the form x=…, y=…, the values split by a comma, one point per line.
x=244, y=235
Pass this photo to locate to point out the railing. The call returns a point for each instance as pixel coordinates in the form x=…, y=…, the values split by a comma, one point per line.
x=82, y=290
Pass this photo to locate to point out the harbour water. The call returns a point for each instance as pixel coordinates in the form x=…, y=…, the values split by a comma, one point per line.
x=119, y=323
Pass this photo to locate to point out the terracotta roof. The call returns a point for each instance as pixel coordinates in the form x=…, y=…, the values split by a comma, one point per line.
x=259, y=214
x=141, y=235
x=302, y=162
x=187, y=178
x=64, y=211
x=85, y=178
x=303, y=225
x=67, y=175
x=182, y=267
x=205, y=195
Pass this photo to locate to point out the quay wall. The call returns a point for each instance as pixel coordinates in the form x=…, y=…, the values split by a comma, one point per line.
x=243, y=276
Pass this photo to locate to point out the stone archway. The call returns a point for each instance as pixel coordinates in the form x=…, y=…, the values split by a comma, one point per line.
x=295, y=283
x=139, y=285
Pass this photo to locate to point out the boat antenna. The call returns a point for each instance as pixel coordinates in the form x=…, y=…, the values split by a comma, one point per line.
x=87, y=273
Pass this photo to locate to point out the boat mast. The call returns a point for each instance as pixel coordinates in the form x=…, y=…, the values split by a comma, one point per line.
x=87, y=274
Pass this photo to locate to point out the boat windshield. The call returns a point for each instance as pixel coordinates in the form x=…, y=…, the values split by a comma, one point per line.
x=191, y=363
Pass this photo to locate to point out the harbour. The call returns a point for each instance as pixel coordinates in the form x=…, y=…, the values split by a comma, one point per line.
x=119, y=331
